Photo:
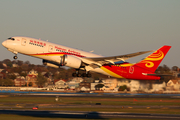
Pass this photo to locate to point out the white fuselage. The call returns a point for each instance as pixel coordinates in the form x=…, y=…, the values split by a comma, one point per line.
x=43, y=49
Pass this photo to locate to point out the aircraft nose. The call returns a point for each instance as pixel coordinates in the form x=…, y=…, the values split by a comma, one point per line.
x=4, y=43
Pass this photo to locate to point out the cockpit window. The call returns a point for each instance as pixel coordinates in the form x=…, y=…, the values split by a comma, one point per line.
x=11, y=38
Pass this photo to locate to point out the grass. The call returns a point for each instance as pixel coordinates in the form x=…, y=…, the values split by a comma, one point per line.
x=135, y=105
x=89, y=100
x=132, y=105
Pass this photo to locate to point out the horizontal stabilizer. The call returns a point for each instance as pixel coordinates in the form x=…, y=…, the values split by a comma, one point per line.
x=158, y=74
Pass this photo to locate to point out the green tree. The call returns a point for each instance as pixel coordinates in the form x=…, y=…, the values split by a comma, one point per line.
x=13, y=76
x=62, y=75
x=122, y=88
x=27, y=62
x=23, y=74
x=166, y=68
x=1, y=65
x=175, y=68
x=41, y=80
x=30, y=84
x=1, y=82
x=163, y=69
x=98, y=86
x=7, y=82
x=9, y=64
x=19, y=62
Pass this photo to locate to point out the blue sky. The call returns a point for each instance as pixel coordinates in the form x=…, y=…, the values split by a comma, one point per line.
x=109, y=27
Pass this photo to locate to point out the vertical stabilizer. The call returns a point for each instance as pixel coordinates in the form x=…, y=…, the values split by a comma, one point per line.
x=152, y=61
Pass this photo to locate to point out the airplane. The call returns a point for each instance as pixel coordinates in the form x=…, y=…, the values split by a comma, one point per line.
x=55, y=55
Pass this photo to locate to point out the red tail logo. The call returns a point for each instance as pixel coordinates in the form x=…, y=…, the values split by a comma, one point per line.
x=152, y=61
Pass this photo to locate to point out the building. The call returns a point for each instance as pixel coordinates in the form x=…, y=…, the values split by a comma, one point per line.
x=123, y=82
x=94, y=84
x=32, y=79
x=173, y=85
x=15, y=65
x=74, y=83
x=18, y=82
x=2, y=75
x=109, y=84
x=60, y=84
x=33, y=72
x=134, y=85
x=158, y=87
x=141, y=86
x=84, y=89
x=85, y=86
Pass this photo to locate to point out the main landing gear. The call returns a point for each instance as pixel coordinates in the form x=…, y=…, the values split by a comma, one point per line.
x=77, y=74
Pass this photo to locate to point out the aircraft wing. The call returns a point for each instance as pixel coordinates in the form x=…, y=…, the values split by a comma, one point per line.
x=107, y=60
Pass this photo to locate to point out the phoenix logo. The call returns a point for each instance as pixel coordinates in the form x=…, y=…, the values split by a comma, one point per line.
x=156, y=56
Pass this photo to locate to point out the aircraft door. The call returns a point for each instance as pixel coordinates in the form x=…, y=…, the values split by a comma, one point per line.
x=131, y=69
x=23, y=42
x=50, y=49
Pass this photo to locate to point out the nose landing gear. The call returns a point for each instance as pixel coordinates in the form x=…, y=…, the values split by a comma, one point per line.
x=15, y=57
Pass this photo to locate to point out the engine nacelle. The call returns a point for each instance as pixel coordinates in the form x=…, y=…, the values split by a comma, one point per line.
x=65, y=60
x=71, y=61
x=50, y=64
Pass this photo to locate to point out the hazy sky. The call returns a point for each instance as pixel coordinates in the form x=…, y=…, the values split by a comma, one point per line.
x=109, y=27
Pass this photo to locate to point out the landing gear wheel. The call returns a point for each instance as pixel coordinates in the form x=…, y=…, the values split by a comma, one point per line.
x=88, y=75
x=74, y=75
x=15, y=57
x=84, y=75
x=78, y=75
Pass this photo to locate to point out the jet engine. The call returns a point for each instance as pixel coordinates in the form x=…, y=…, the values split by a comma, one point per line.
x=65, y=60
x=71, y=61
